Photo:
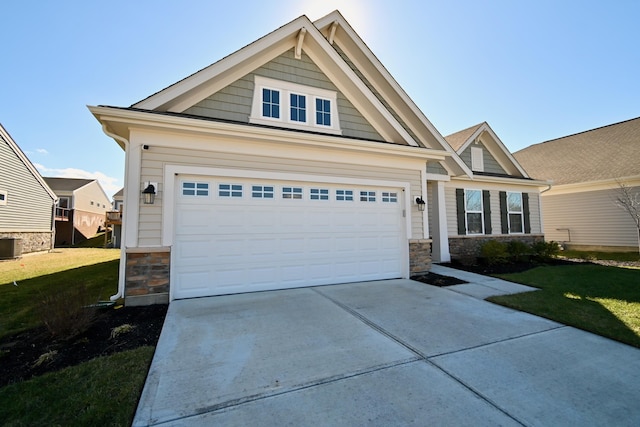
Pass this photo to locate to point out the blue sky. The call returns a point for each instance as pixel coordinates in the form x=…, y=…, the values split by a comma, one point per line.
x=533, y=70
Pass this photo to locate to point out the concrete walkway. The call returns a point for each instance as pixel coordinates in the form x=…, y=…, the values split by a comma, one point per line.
x=393, y=352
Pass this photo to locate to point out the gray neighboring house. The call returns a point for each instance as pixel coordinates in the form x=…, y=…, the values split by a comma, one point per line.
x=26, y=201
x=580, y=209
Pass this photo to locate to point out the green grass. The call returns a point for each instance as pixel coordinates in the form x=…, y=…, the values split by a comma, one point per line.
x=603, y=300
x=101, y=392
x=613, y=256
x=44, y=274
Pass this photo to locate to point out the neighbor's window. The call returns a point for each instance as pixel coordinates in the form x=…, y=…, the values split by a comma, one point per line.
x=473, y=211
x=3, y=198
x=292, y=193
x=388, y=197
x=262, y=191
x=367, y=196
x=514, y=211
x=230, y=190
x=344, y=195
x=319, y=194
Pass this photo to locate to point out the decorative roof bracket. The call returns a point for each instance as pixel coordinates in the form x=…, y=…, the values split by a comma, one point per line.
x=332, y=32
x=301, y=34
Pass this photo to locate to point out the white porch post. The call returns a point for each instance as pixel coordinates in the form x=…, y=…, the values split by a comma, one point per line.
x=440, y=246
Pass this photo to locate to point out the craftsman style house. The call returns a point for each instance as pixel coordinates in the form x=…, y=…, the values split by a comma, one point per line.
x=296, y=161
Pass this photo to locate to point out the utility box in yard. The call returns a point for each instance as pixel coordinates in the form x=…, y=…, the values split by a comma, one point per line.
x=10, y=248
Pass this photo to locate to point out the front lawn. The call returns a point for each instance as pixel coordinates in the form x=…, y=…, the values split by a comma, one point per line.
x=599, y=299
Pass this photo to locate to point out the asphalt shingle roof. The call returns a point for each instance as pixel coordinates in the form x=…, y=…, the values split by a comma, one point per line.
x=457, y=140
x=608, y=152
x=66, y=184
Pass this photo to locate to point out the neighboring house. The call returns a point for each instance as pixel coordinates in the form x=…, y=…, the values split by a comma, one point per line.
x=80, y=211
x=26, y=201
x=295, y=161
x=114, y=219
x=586, y=169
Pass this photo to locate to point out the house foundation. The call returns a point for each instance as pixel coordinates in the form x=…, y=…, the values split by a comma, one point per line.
x=466, y=249
x=419, y=256
x=147, y=276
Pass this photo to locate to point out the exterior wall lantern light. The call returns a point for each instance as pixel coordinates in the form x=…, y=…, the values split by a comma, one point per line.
x=149, y=194
x=421, y=204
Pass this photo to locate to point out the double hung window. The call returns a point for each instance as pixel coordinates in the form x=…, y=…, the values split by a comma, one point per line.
x=514, y=212
x=473, y=211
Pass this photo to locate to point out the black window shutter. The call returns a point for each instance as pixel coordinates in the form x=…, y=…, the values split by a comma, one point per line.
x=486, y=206
x=525, y=211
x=462, y=228
x=504, y=220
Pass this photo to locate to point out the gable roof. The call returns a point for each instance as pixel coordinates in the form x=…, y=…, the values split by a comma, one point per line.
x=483, y=133
x=4, y=135
x=67, y=184
x=458, y=139
x=608, y=152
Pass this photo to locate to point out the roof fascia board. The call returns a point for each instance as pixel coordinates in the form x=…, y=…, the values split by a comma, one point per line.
x=124, y=120
x=25, y=160
x=504, y=151
x=605, y=184
x=368, y=64
x=500, y=180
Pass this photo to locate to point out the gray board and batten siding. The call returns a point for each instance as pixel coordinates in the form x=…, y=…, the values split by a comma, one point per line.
x=234, y=101
x=29, y=205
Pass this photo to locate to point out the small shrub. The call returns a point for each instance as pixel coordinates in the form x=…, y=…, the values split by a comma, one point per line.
x=67, y=313
x=518, y=250
x=545, y=250
x=494, y=252
x=47, y=358
x=122, y=329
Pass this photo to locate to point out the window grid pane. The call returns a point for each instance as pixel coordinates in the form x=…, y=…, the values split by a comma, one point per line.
x=319, y=194
x=195, y=189
x=262, y=192
x=230, y=190
x=271, y=103
x=344, y=195
x=292, y=193
x=388, y=197
x=367, y=196
x=323, y=112
x=298, y=108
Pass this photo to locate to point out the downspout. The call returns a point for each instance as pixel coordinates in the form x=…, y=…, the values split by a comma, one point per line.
x=123, y=260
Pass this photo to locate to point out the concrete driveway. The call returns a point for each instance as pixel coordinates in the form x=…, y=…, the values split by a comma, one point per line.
x=393, y=352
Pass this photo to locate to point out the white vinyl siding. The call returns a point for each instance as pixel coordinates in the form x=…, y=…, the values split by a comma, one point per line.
x=153, y=162
x=592, y=218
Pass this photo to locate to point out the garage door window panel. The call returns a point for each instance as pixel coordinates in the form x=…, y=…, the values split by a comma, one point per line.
x=388, y=197
x=293, y=193
x=199, y=189
x=319, y=194
x=367, y=196
x=230, y=190
x=344, y=195
x=262, y=192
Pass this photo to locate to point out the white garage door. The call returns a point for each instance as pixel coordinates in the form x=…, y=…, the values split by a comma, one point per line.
x=241, y=235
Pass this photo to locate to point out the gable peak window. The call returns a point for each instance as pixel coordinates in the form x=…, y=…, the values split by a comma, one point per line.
x=477, y=159
x=294, y=106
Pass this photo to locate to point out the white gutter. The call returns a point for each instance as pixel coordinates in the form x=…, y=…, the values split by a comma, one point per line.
x=123, y=260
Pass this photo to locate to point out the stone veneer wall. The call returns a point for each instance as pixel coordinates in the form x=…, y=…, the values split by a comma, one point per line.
x=32, y=241
x=466, y=249
x=419, y=256
x=147, y=276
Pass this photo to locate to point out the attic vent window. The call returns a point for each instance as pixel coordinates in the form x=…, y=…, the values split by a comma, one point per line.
x=477, y=159
x=294, y=106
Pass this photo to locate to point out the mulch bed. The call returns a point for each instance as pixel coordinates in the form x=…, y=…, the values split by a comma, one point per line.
x=19, y=353
x=437, y=279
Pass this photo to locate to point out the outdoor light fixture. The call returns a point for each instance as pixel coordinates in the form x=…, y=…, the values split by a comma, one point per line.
x=149, y=194
x=421, y=204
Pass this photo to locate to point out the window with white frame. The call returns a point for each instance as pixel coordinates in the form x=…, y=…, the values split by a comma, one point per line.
x=262, y=191
x=296, y=106
x=389, y=197
x=367, y=196
x=344, y=195
x=319, y=194
x=473, y=211
x=3, y=197
x=294, y=193
x=230, y=190
x=200, y=189
x=514, y=212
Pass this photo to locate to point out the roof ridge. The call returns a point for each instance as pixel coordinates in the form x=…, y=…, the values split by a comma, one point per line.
x=585, y=131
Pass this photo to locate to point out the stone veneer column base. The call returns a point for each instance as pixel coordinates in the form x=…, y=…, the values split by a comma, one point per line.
x=147, y=276
x=419, y=256
x=466, y=249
